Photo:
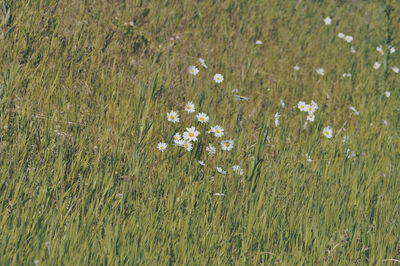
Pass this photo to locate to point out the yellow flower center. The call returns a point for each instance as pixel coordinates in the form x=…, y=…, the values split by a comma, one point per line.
x=191, y=134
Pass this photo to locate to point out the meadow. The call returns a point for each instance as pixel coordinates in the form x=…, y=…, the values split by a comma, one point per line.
x=213, y=132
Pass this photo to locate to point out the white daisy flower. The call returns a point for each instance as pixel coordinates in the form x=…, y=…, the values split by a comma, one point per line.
x=217, y=130
x=327, y=21
x=177, y=136
x=277, y=118
x=395, y=69
x=385, y=122
x=341, y=35
x=392, y=49
x=348, y=39
x=203, y=62
x=311, y=117
x=347, y=75
x=202, y=118
x=180, y=142
x=328, y=132
x=302, y=106
x=387, y=94
x=354, y=110
x=353, y=50
x=379, y=49
x=189, y=107
x=310, y=108
x=211, y=149
x=193, y=70
x=308, y=158
x=219, y=194
x=162, y=146
x=237, y=169
x=259, y=42
x=377, y=65
x=220, y=170
x=314, y=106
x=190, y=134
x=297, y=68
x=202, y=163
x=282, y=103
x=320, y=71
x=188, y=146
x=173, y=117
x=227, y=145
x=218, y=78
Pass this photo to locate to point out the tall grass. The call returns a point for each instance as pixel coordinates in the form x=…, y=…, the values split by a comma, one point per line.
x=84, y=89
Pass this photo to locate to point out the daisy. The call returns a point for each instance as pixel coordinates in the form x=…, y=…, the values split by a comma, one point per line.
x=218, y=78
x=202, y=118
x=314, y=106
x=189, y=107
x=379, y=49
x=180, y=142
x=173, y=117
x=177, y=136
x=347, y=75
x=220, y=170
x=282, y=103
x=328, y=21
x=310, y=117
x=227, y=145
x=259, y=42
x=341, y=35
x=387, y=94
x=162, y=146
x=237, y=169
x=395, y=69
x=211, y=149
x=320, y=71
x=354, y=110
x=328, y=132
x=348, y=39
x=219, y=194
x=297, y=68
x=277, y=117
x=193, y=70
x=203, y=62
x=188, y=146
x=202, y=163
x=217, y=130
x=392, y=49
x=308, y=158
x=302, y=106
x=191, y=134
x=377, y=65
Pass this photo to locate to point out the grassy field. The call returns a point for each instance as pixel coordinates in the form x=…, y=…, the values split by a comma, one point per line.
x=85, y=88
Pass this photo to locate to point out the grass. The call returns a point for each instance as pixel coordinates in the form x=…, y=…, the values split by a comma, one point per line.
x=82, y=107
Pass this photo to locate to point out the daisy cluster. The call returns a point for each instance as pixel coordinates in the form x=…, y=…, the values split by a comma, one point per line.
x=191, y=136
x=194, y=70
x=310, y=109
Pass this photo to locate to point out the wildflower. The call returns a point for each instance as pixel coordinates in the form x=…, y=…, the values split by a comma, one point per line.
x=379, y=49
x=191, y=134
x=177, y=136
x=189, y=107
x=308, y=158
x=302, y=106
x=347, y=75
x=193, y=70
x=220, y=170
x=354, y=110
x=188, y=146
x=259, y=42
x=348, y=39
x=237, y=169
x=328, y=132
x=297, y=68
x=352, y=50
x=203, y=62
x=227, y=145
x=385, y=122
x=282, y=103
x=377, y=65
x=320, y=71
x=314, y=106
x=277, y=117
x=392, y=49
x=395, y=69
x=202, y=163
x=219, y=194
x=180, y=142
x=341, y=35
x=162, y=146
x=218, y=78
x=211, y=149
x=309, y=108
x=387, y=94
x=311, y=117
x=173, y=117
x=202, y=118
x=328, y=21
x=217, y=130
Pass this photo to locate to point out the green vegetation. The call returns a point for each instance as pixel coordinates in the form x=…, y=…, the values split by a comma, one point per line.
x=84, y=91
